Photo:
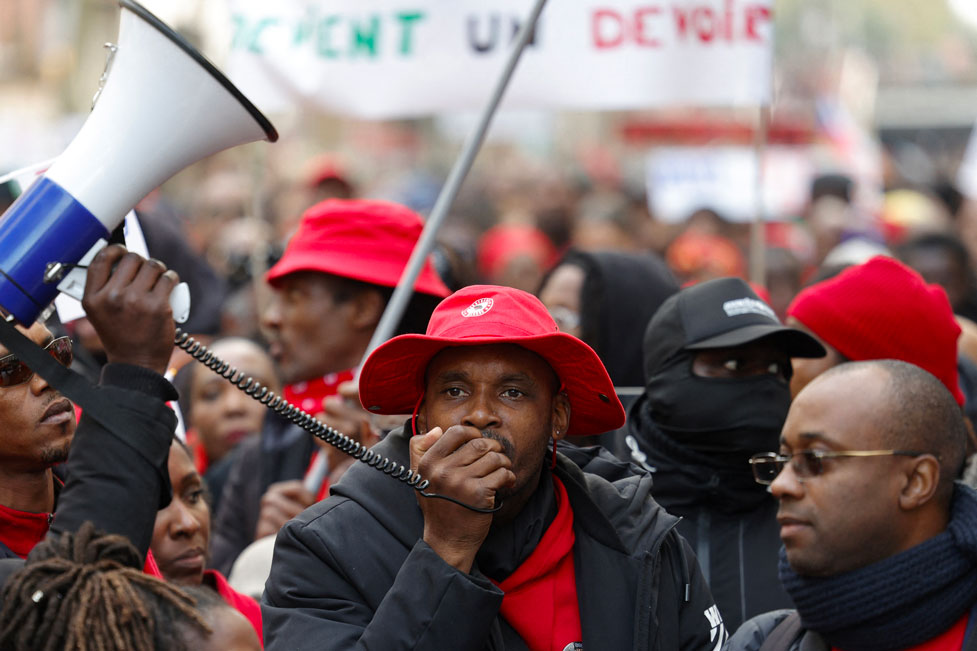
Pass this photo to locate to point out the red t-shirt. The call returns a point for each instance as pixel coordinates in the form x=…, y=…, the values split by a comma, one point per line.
x=21, y=530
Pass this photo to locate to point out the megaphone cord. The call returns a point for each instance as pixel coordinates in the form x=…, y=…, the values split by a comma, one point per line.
x=309, y=423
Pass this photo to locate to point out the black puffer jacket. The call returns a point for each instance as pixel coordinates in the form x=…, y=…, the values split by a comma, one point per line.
x=754, y=633
x=728, y=519
x=353, y=572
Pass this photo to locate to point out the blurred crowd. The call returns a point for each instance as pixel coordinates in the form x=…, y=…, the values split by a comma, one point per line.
x=515, y=217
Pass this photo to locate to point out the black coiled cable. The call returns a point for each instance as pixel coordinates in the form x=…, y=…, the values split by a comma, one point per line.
x=310, y=424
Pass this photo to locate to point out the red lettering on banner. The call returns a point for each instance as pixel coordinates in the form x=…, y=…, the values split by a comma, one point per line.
x=754, y=15
x=704, y=22
x=601, y=17
x=642, y=27
x=681, y=21
x=641, y=35
x=728, y=20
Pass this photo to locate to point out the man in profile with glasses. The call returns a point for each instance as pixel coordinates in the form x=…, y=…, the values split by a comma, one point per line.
x=880, y=543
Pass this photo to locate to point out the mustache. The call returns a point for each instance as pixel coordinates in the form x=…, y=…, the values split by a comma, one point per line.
x=507, y=448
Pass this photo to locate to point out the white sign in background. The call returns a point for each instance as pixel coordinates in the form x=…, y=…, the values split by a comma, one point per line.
x=402, y=58
x=681, y=180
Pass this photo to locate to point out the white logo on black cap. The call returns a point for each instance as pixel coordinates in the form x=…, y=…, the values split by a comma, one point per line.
x=748, y=306
x=478, y=308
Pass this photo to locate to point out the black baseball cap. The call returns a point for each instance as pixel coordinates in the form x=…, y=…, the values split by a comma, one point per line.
x=719, y=313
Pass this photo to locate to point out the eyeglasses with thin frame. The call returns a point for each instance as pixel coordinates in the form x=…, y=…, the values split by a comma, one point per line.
x=14, y=372
x=810, y=463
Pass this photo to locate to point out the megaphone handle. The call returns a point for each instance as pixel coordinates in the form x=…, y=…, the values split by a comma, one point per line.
x=73, y=282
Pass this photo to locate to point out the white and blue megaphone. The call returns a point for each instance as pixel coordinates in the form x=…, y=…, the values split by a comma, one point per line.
x=161, y=107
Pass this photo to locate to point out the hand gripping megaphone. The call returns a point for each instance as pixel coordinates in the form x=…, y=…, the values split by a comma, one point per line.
x=161, y=107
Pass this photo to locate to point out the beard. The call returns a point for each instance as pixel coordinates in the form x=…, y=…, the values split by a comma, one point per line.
x=56, y=452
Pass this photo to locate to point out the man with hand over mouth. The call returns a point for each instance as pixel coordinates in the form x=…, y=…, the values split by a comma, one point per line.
x=513, y=545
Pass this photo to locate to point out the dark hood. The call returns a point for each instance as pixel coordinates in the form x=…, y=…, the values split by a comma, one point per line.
x=621, y=292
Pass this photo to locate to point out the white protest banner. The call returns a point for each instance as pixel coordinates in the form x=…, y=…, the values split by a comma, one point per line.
x=401, y=58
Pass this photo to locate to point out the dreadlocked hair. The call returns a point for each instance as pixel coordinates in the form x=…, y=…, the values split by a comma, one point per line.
x=85, y=591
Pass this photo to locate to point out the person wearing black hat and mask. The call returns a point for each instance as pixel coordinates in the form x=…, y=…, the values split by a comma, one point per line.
x=717, y=369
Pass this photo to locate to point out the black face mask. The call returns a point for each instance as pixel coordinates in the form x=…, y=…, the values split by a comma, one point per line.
x=723, y=418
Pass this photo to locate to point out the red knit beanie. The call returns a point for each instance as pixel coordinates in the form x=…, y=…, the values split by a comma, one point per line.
x=882, y=309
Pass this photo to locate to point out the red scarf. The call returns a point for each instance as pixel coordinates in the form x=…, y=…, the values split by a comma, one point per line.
x=21, y=530
x=540, y=599
x=308, y=396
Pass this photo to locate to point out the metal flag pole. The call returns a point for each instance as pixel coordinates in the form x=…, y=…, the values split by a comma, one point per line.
x=758, y=236
x=405, y=287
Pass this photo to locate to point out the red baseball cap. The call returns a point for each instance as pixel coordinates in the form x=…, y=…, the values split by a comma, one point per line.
x=361, y=239
x=392, y=378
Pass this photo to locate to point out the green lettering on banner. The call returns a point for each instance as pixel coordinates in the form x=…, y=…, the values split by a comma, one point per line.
x=247, y=37
x=365, y=37
x=407, y=21
x=237, y=41
x=323, y=42
x=254, y=46
x=305, y=28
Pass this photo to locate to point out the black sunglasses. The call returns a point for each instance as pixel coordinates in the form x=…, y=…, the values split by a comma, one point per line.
x=14, y=372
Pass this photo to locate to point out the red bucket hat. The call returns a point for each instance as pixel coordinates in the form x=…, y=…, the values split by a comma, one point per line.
x=360, y=239
x=392, y=378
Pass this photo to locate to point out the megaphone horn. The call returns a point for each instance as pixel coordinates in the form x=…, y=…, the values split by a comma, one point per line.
x=162, y=107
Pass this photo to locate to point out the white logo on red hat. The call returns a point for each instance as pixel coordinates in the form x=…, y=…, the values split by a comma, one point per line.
x=478, y=308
